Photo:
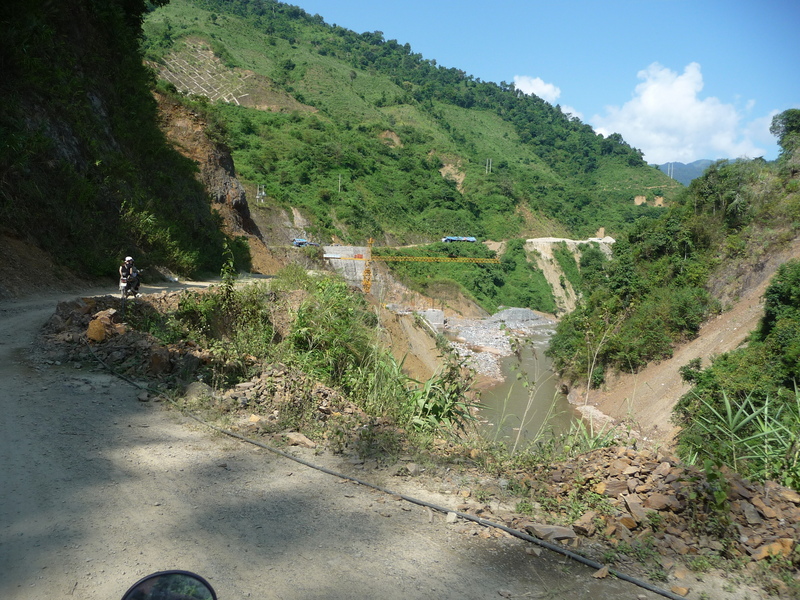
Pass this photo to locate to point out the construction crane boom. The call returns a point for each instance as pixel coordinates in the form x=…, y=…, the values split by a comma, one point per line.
x=366, y=282
x=461, y=259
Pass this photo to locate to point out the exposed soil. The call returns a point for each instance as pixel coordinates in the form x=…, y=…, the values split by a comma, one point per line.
x=645, y=400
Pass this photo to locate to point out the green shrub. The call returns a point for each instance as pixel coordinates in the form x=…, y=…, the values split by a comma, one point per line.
x=331, y=332
x=569, y=267
x=441, y=403
x=782, y=298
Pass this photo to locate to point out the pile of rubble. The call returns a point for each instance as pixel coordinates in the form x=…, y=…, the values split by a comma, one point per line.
x=87, y=330
x=651, y=494
x=98, y=323
x=278, y=389
x=483, y=342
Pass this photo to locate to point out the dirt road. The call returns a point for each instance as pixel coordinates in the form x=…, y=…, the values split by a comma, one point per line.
x=99, y=489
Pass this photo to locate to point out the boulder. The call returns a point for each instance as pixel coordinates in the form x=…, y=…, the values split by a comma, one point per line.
x=782, y=547
x=298, y=439
x=96, y=331
x=159, y=361
x=550, y=532
x=585, y=524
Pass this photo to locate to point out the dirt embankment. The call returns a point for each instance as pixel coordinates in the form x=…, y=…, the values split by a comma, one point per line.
x=645, y=400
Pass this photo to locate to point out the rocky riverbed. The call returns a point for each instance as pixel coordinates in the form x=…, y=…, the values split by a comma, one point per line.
x=485, y=341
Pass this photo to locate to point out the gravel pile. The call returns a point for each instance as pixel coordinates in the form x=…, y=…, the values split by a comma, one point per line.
x=485, y=341
x=520, y=318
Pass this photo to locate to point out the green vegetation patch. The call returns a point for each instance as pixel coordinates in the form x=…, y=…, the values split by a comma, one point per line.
x=514, y=282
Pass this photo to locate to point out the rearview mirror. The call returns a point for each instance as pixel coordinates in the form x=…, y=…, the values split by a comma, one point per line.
x=171, y=585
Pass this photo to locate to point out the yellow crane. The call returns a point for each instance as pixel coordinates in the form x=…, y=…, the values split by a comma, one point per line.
x=366, y=281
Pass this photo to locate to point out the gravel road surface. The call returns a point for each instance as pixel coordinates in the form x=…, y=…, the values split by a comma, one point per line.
x=99, y=489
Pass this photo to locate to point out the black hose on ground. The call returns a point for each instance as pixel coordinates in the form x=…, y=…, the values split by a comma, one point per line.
x=467, y=517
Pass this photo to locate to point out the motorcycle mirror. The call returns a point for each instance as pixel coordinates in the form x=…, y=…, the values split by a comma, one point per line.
x=171, y=585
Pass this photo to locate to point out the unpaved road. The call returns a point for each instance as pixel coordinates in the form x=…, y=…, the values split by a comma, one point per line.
x=99, y=489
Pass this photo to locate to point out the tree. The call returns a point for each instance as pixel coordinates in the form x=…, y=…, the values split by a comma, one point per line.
x=786, y=127
x=782, y=298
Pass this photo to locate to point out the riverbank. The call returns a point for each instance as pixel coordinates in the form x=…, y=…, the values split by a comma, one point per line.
x=484, y=342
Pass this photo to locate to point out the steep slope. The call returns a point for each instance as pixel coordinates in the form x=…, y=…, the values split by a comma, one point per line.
x=543, y=249
x=645, y=400
x=188, y=131
x=85, y=174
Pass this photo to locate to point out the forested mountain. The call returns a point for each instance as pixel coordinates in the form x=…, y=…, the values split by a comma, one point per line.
x=360, y=134
x=368, y=138
x=657, y=289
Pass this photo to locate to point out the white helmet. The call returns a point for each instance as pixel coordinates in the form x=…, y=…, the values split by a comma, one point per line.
x=128, y=259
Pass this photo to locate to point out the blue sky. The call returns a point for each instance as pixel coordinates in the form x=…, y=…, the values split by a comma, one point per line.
x=681, y=80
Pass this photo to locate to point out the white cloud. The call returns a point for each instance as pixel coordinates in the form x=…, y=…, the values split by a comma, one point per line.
x=668, y=121
x=571, y=111
x=535, y=85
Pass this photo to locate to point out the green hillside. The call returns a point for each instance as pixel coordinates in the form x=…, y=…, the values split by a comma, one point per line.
x=671, y=274
x=85, y=172
x=371, y=139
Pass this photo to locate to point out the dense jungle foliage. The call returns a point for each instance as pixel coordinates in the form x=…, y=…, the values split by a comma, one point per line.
x=84, y=170
x=654, y=293
x=362, y=155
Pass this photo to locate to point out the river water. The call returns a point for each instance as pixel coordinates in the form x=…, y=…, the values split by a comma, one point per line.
x=527, y=405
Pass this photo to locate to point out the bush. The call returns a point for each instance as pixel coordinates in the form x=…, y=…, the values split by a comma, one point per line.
x=782, y=298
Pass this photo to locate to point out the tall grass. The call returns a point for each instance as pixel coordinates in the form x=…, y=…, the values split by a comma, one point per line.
x=441, y=402
x=316, y=325
x=759, y=442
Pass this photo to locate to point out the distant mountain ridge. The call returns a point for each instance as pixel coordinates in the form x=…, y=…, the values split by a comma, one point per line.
x=685, y=173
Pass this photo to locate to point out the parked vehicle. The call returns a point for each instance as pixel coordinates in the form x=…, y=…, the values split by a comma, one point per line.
x=458, y=238
x=300, y=242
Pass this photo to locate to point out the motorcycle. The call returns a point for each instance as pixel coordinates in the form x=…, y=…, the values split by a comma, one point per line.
x=171, y=585
x=128, y=287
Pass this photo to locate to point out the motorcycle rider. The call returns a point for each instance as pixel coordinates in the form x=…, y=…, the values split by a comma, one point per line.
x=130, y=274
